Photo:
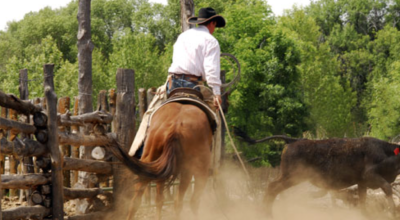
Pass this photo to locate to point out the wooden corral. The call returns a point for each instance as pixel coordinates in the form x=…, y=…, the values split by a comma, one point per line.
x=50, y=139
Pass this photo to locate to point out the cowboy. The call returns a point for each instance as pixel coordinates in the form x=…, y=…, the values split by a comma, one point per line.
x=196, y=58
x=196, y=55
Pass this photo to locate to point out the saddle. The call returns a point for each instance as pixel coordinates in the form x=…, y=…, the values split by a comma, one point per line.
x=191, y=97
x=185, y=92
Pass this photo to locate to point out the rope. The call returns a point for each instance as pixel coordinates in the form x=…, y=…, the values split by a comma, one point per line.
x=230, y=137
x=237, y=153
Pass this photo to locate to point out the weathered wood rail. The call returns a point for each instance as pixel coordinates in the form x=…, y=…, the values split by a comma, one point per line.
x=54, y=132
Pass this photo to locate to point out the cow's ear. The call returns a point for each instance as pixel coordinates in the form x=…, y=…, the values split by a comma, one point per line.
x=396, y=151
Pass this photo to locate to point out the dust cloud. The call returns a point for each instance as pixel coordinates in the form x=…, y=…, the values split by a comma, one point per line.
x=233, y=196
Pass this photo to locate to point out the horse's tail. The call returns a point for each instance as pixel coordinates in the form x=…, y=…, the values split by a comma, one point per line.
x=167, y=165
x=243, y=136
x=163, y=168
x=134, y=164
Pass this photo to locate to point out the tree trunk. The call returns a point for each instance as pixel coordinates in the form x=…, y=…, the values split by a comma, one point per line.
x=85, y=48
x=125, y=129
x=52, y=144
x=187, y=11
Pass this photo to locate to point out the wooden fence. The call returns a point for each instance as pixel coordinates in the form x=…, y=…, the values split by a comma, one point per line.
x=44, y=137
x=46, y=145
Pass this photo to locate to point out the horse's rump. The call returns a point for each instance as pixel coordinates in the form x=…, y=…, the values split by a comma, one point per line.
x=178, y=132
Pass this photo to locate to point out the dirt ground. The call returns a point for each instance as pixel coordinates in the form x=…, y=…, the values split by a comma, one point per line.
x=13, y=202
x=241, y=199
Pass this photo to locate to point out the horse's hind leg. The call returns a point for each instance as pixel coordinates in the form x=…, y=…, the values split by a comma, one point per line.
x=159, y=198
x=137, y=199
x=183, y=186
x=199, y=185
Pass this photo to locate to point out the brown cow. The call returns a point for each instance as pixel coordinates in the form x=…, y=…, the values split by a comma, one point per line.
x=335, y=164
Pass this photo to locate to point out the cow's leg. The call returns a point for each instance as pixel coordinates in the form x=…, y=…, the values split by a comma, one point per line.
x=137, y=199
x=385, y=186
x=387, y=189
x=333, y=195
x=159, y=198
x=276, y=187
x=362, y=195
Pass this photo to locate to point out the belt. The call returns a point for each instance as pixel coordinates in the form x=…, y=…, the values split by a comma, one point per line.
x=187, y=77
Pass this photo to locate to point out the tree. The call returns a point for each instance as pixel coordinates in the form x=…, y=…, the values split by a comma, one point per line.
x=330, y=101
x=139, y=52
x=382, y=102
x=36, y=57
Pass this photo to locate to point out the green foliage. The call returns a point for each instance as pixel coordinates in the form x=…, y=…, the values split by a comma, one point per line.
x=330, y=69
x=36, y=57
x=138, y=52
x=383, y=87
x=329, y=101
x=384, y=111
x=266, y=100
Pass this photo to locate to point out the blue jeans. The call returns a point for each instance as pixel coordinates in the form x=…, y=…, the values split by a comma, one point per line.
x=179, y=82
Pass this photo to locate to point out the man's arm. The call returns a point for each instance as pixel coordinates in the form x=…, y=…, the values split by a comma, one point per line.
x=212, y=67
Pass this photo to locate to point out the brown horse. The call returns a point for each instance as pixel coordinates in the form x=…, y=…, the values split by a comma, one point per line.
x=178, y=143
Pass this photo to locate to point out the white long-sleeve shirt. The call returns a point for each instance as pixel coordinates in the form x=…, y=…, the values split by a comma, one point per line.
x=197, y=52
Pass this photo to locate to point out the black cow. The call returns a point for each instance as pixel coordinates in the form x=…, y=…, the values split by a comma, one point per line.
x=335, y=164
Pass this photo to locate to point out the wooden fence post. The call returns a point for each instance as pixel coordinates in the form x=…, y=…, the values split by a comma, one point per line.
x=142, y=102
x=113, y=108
x=27, y=166
x=112, y=97
x=52, y=144
x=62, y=108
x=75, y=149
x=13, y=163
x=151, y=92
x=125, y=130
x=3, y=114
x=102, y=105
x=37, y=101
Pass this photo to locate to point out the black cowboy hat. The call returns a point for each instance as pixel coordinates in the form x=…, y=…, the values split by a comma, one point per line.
x=207, y=14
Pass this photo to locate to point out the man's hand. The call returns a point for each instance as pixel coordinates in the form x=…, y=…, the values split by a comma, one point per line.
x=217, y=99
